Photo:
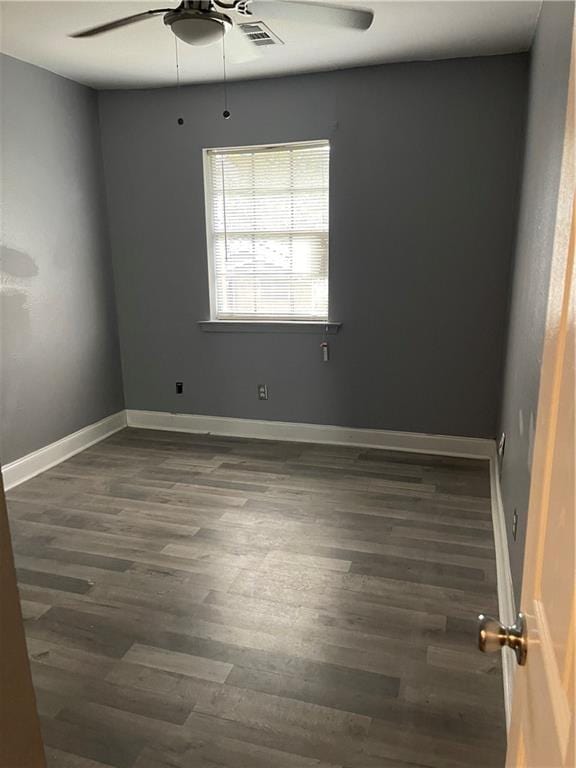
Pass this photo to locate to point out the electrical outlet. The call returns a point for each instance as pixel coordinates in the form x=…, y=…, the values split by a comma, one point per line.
x=179, y=387
x=515, y=524
x=262, y=392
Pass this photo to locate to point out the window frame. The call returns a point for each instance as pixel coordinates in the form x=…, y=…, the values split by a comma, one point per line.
x=246, y=320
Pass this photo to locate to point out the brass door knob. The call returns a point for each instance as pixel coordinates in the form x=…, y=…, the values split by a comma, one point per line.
x=492, y=636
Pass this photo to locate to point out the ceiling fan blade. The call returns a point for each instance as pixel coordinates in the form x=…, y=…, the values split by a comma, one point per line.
x=120, y=23
x=312, y=13
x=239, y=49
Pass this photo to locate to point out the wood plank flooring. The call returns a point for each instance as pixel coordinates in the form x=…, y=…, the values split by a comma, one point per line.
x=202, y=602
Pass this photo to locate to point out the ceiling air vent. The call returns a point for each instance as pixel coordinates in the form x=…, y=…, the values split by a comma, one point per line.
x=259, y=34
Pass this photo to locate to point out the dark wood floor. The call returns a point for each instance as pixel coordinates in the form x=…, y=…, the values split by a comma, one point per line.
x=200, y=602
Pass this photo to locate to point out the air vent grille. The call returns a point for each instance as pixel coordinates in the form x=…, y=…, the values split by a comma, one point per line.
x=259, y=34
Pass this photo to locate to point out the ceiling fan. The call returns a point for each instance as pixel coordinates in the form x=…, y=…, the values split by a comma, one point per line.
x=202, y=22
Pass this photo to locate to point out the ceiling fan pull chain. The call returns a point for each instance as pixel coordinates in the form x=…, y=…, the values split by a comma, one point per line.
x=226, y=114
x=177, y=62
x=180, y=119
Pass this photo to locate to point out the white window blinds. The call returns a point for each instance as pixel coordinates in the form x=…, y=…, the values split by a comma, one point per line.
x=267, y=218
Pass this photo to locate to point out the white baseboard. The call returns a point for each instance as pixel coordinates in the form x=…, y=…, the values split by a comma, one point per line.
x=39, y=461
x=506, y=600
x=446, y=445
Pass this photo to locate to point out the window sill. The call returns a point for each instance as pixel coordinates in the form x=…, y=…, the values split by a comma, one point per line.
x=269, y=326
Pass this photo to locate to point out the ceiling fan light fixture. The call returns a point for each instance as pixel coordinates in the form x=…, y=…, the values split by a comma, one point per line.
x=198, y=28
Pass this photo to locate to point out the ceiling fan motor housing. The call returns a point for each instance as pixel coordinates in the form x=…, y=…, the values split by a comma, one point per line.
x=198, y=26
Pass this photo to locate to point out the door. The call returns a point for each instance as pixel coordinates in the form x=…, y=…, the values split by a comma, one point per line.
x=20, y=740
x=542, y=724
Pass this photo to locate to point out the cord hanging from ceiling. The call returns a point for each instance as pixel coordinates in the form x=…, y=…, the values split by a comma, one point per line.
x=226, y=114
x=180, y=119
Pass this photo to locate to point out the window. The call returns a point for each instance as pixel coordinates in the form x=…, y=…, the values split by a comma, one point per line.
x=267, y=221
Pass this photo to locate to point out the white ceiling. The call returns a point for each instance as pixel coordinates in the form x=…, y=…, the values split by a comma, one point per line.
x=143, y=55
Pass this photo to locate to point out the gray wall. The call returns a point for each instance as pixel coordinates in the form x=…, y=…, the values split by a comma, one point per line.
x=550, y=62
x=59, y=351
x=424, y=179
